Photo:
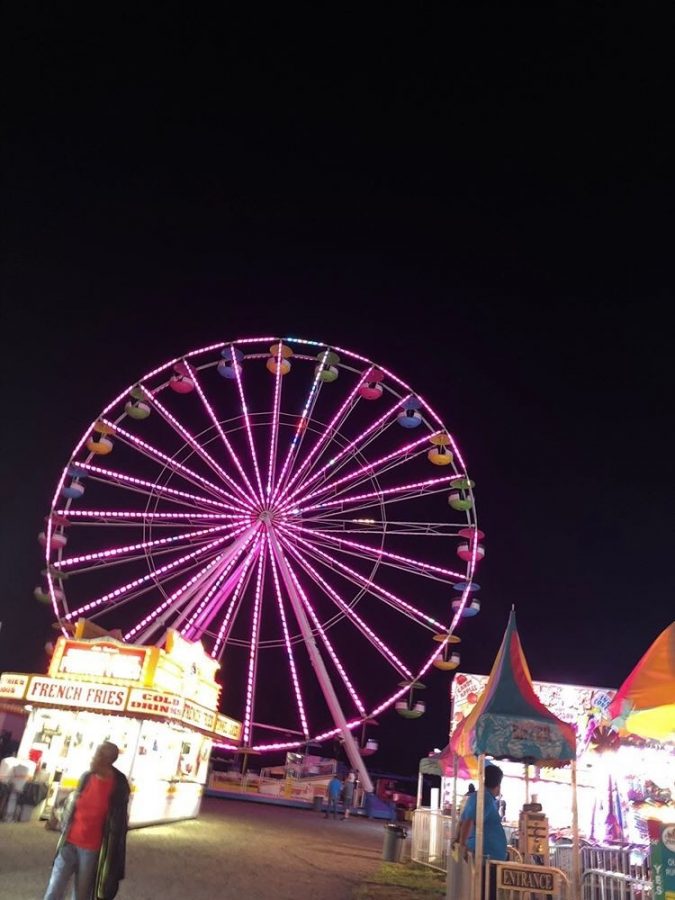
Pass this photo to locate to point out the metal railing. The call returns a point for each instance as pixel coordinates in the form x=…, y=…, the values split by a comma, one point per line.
x=598, y=884
x=431, y=838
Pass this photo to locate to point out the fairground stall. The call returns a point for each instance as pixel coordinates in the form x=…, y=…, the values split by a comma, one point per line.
x=158, y=705
x=624, y=777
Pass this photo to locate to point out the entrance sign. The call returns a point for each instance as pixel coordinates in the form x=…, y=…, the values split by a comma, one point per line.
x=527, y=878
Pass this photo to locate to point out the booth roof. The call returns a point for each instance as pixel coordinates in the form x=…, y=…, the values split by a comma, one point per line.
x=509, y=721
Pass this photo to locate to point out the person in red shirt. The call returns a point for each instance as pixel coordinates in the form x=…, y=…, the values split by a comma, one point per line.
x=92, y=845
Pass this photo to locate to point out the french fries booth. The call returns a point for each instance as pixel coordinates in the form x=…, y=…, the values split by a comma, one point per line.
x=160, y=706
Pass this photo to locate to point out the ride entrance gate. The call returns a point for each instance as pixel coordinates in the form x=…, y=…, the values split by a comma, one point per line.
x=504, y=881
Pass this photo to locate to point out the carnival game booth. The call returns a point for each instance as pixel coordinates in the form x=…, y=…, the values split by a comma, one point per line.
x=158, y=705
x=509, y=722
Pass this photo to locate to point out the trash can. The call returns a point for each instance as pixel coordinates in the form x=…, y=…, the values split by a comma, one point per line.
x=394, y=835
x=318, y=802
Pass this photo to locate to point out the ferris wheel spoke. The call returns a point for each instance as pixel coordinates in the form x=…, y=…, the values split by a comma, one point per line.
x=393, y=494
x=113, y=554
x=346, y=454
x=289, y=649
x=386, y=652
x=407, y=563
x=249, y=710
x=153, y=575
x=178, y=468
x=134, y=596
x=150, y=488
x=326, y=435
x=338, y=525
x=324, y=637
x=300, y=430
x=368, y=471
x=249, y=492
x=135, y=519
x=249, y=430
x=198, y=448
x=235, y=603
x=208, y=606
x=371, y=587
x=158, y=617
x=274, y=441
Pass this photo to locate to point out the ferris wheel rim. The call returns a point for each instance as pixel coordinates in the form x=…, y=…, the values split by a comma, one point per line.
x=194, y=355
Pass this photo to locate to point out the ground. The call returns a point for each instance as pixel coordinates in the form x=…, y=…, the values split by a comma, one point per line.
x=234, y=850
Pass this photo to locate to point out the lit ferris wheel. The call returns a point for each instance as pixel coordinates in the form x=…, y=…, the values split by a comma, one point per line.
x=297, y=508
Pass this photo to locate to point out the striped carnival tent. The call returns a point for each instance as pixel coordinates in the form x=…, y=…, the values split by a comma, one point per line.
x=509, y=721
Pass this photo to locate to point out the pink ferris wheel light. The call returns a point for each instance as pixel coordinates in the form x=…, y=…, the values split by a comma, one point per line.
x=273, y=507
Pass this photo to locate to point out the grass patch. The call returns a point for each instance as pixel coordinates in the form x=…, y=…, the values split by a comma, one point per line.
x=402, y=881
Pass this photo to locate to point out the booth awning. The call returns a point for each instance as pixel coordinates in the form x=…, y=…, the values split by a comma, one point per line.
x=509, y=721
x=645, y=702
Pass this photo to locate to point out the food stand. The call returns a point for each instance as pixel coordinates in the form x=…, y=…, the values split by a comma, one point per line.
x=158, y=705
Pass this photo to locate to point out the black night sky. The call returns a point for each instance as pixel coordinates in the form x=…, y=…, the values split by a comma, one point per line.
x=484, y=206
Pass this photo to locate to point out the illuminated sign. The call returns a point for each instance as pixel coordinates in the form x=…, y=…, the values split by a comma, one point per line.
x=86, y=695
x=227, y=728
x=198, y=716
x=12, y=686
x=99, y=659
x=154, y=703
x=526, y=878
x=572, y=703
x=191, y=657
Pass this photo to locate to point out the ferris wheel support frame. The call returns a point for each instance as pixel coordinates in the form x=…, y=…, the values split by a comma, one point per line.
x=319, y=666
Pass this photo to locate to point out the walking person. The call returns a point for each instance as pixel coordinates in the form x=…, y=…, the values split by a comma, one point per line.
x=92, y=846
x=348, y=794
x=333, y=791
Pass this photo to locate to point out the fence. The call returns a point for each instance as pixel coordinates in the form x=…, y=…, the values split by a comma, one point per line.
x=609, y=873
x=599, y=884
x=431, y=838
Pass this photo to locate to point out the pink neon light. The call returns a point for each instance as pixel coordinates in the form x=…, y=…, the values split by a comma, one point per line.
x=203, y=614
x=171, y=599
x=351, y=614
x=375, y=495
x=249, y=432
x=197, y=447
x=345, y=450
x=151, y=576
x=372, y=588
x=325, y=436
x=275, y=422
x=289, y=649
x=149, y=515
x=130, y=548
x=233, y=602
x=292, y=481
x=253, y=655
x=369, y=469
x=173, y=464
x=218, y=427
x=299, y=433
x=219, y=577
x=150, y=485
x=378, y=552
x=317, y=624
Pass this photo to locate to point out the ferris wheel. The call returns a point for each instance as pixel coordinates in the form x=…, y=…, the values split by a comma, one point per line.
x=294, y=506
